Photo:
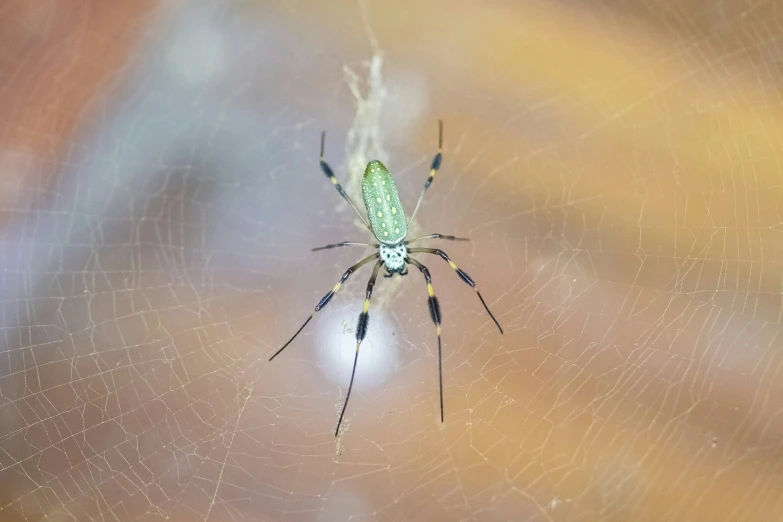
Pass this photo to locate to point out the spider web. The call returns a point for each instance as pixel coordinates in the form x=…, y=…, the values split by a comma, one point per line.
x=616, y=164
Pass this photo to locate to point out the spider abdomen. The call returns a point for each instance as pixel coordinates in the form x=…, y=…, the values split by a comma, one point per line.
x=384, y=209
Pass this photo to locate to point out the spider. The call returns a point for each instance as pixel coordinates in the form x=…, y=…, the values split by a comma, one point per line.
x=387, y=223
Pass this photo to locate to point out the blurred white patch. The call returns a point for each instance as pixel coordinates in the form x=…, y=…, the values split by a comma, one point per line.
x=407, y=100
x=388, y=108
x=337, y=346
x=196, y=53
x=344, y=504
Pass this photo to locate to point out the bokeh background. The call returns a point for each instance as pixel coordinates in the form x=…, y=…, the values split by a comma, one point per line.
x=617, y=166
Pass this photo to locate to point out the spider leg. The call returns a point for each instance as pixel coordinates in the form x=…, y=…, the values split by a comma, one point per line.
x=465, y=277
x=345, y=243
x=434, y=166
x=361, y=331
x=325, y=300
x=437, y=236
x=327, y=170
x=432, y=301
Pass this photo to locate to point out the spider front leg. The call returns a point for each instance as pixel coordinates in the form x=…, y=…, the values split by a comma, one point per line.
x=434, y=166
x=361, y=331
x=345, y=243
x=327, y=170
x=437, y=236
x=328, y=297
x=461, y=273
x=434, y=306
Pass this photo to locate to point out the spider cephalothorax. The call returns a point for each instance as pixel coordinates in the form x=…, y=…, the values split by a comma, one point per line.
x=393, y=257
x=387, y=223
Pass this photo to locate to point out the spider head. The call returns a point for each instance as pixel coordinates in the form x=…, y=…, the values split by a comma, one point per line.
x=393, y=257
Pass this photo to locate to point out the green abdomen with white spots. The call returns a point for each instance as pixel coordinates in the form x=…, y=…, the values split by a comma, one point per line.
x=384, y=209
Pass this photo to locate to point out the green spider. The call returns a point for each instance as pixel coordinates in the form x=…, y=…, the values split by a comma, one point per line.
x=387, y=223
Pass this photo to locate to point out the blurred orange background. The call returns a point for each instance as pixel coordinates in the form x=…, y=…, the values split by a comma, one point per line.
x=616, y=165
